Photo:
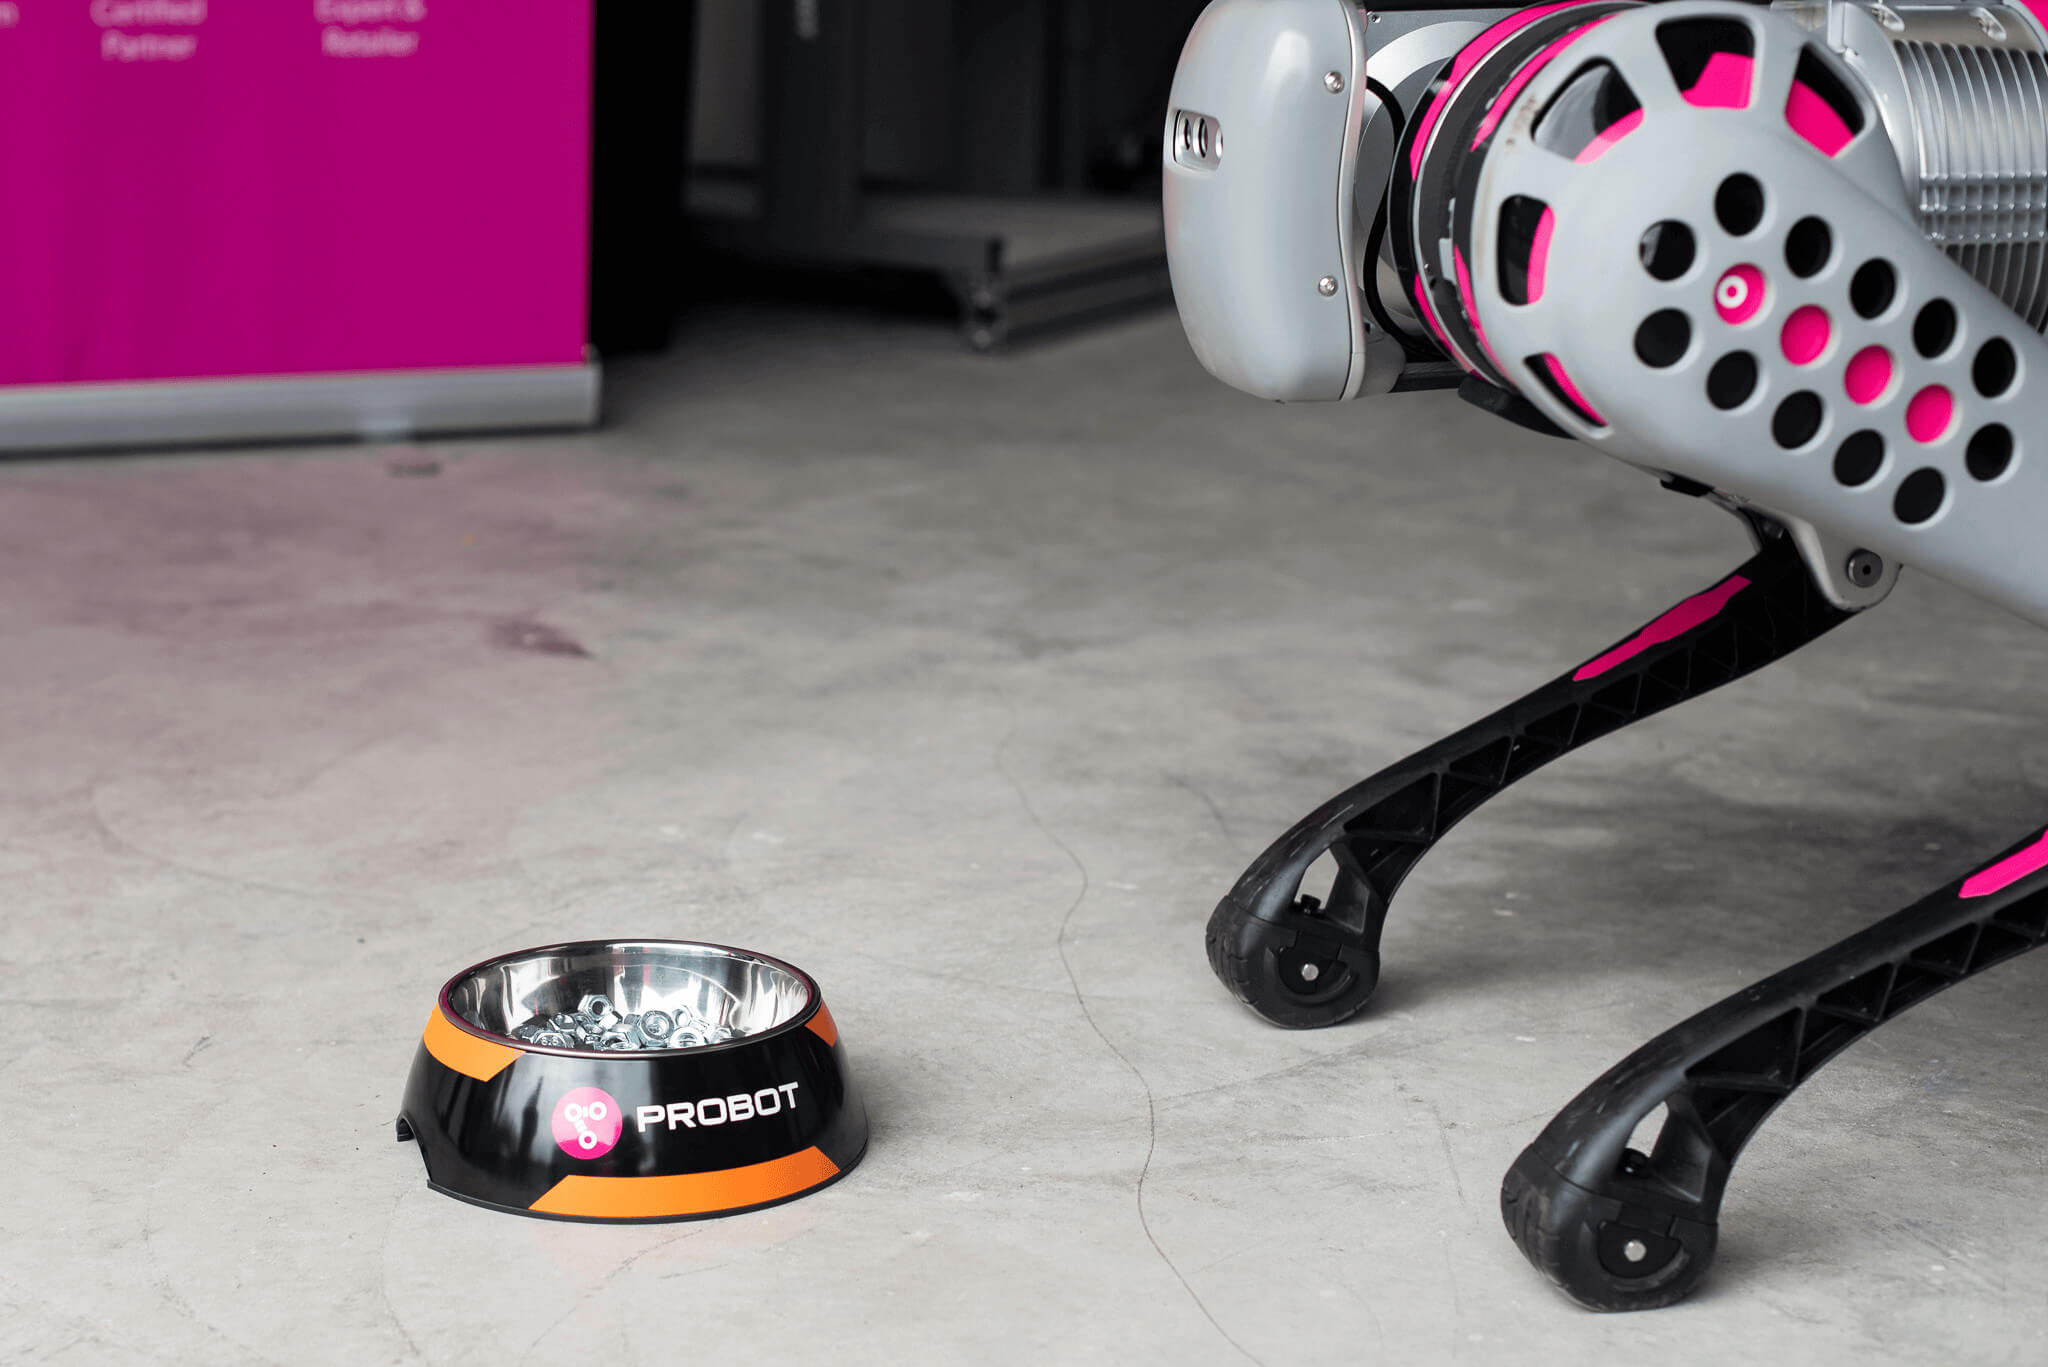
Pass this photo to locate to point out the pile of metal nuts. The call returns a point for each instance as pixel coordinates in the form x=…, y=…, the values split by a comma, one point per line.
x=596, y=1024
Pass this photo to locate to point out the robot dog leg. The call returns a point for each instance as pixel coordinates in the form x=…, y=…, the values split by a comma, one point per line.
x=1303, y=961
x=1794, y=258
x=1619, y=1229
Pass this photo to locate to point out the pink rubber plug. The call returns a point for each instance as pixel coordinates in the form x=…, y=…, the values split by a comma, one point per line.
x=1869, y=375
x=1807, y=334
x=1931, y=413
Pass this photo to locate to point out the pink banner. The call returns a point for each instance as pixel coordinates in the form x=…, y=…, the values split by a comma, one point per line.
x=266, y=187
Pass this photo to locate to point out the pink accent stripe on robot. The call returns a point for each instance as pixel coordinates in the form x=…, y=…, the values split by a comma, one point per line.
x=1571, y=390
x=1539, y=254
x=1498, y=110
x=1429, y=316
x=2039, y=9
x=1472, y=307
x=1694, y=611
x=1461, y=67
x=1725, y=82
x=2007, y=871
x=1814, y=119
x=1613, y=133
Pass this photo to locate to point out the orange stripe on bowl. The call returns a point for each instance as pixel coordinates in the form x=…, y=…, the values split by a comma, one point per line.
x=693, y=1193
x=464, y=1052
x=823, y=1026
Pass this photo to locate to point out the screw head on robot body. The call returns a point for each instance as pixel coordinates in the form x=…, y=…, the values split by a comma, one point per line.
x=1333, y=81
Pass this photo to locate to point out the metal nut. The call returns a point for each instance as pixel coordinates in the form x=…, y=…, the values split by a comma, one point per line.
x=598, y=1026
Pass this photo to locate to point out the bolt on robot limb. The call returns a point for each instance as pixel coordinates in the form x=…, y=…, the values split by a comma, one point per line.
x=1790, y=259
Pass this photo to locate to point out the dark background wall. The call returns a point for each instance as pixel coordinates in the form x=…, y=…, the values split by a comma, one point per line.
x=640, y=133
x=990, y=96
x=1009, y=97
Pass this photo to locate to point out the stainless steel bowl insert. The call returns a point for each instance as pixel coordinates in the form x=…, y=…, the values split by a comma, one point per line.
x=746, y=993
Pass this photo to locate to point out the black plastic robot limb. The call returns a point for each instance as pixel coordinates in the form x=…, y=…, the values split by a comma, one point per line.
x=1619, y=1229
x=1771, y=253
x=1301, y=962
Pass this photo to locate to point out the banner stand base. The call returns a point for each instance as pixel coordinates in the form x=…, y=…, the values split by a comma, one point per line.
x=358, y=405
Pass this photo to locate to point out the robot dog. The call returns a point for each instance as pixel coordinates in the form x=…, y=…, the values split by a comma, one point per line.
x=1793, y=260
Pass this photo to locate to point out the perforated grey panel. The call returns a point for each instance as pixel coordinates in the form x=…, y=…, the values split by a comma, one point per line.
x=1984, y=534
x=1982, y=158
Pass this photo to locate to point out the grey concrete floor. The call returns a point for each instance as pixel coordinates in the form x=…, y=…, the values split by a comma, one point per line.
x=969, y=685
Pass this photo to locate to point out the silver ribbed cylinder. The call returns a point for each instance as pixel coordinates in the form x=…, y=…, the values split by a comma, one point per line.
x=1963, y=90
x=1981, y=125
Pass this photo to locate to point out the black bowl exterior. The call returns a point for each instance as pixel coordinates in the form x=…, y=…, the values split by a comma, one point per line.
x=671, y=1135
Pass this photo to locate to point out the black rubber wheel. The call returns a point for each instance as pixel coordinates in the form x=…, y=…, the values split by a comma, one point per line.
x=1602, y=1253
x=1300, y=979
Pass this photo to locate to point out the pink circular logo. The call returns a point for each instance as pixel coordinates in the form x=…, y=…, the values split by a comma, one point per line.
x=587, y=1122
x=1739, y=295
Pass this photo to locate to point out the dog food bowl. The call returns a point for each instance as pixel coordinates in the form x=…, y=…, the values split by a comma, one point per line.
x=639, y=1126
